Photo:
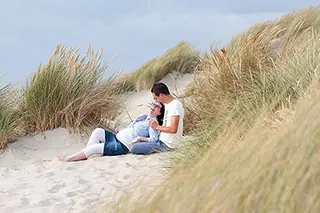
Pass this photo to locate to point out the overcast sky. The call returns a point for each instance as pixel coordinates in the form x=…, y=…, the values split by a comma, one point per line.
x=137, y=29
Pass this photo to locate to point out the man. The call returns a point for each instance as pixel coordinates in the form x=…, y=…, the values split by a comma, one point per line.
x=172, y=128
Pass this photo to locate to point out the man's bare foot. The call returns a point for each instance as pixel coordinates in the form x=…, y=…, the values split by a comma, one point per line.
x=61, y=156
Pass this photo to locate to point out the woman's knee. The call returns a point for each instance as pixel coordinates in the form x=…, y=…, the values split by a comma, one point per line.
x=133, y=148
x=140, y=148
x=97, y=136
x=98, y=131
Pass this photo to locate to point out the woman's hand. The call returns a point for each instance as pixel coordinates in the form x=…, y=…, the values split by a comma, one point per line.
x=137, y=139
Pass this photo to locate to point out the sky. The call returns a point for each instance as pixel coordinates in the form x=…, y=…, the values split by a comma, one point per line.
x=137, y=30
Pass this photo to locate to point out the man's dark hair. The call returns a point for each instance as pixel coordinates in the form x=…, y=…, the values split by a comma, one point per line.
x=160, y=88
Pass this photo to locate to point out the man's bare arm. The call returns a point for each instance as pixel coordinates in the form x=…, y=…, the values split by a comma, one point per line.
x=167, y=129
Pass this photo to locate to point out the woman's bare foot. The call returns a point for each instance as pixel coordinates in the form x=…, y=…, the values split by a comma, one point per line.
x=61, y=156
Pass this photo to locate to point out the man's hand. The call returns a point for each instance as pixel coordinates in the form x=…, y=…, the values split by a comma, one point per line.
x=137, y=139
x=153, y=124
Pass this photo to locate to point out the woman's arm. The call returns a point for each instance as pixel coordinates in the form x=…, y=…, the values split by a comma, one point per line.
x=153, y=137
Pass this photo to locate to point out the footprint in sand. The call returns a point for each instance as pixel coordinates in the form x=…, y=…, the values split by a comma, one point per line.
x=126, y=177
x=81, y=181
x=71, y=194
x=112, y=165
x=49, y=174
x=44, y=203
x=56, y=188
x=70, y=168
x=24, y=202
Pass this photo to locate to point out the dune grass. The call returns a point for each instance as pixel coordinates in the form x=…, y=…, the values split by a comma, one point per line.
x=234, y=83
x=257, y=123
x=181, y=58
x=267, y=170
x=70, y=91
x=8, y=115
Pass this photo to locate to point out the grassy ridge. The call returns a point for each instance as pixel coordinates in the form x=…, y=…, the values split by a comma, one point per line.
x=256, y=148
x=69, y=91
x=232, y=85
x=181, y=58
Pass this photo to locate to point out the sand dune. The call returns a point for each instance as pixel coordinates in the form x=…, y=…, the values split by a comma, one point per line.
x=32, y=179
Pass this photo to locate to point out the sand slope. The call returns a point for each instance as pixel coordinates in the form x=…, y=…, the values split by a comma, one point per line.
x=137, y=102
x=32, y=179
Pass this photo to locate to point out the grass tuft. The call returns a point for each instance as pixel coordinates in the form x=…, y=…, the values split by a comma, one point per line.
x=181, y=58
x=70, y=91
x=8, y=115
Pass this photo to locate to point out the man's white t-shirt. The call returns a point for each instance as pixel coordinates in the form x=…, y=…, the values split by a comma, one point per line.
x=174, y=108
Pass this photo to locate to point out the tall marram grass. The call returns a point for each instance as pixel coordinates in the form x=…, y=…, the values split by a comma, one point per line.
x=8, y=115
x=257, y=123
x=267, y=170
x=233, y=84
x=181, y=58
x=69, y=91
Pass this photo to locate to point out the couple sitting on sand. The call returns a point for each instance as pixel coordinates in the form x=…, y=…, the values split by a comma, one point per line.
x=148, y=134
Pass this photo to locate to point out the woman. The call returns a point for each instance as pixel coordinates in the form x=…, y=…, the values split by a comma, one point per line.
x=105, y=143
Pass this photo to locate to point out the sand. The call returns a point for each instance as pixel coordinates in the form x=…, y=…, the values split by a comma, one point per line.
x=32, y=179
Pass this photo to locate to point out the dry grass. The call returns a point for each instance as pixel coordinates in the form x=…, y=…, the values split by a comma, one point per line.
x=267, y=170
x=181, y=58
x=8, y=115
x=69, y=91
x=233, y=84
x=258, y=126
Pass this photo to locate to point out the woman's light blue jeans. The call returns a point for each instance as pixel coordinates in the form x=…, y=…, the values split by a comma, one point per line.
x=148, y=148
